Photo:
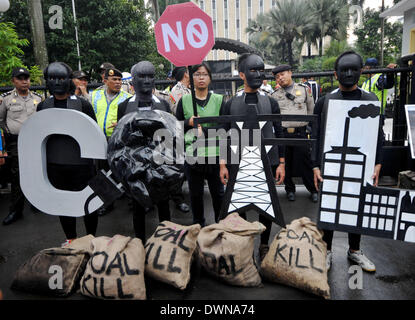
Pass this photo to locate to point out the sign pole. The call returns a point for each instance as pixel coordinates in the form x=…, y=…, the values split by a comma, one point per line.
x=192, y=88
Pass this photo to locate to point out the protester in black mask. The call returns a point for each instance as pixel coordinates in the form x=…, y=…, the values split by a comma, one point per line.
x=348, y=68
x=66, y=169
x=251, y=71
x=143, y=82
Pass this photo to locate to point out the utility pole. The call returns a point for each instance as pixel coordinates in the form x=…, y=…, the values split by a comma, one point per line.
x=382, y=35
x=38, y=32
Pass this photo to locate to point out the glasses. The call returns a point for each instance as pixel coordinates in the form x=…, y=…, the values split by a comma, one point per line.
x=201, y=75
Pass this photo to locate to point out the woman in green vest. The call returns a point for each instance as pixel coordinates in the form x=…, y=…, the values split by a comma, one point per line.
x=208, y=105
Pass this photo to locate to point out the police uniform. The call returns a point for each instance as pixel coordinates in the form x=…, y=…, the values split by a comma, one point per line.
x=177, y=92
x=296, y=99
x=14, y=111
x=165, y=96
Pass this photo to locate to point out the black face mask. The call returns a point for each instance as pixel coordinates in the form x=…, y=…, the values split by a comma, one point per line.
x=254, y=71
x=349, y=70
x=143, y=79
x=58, y=79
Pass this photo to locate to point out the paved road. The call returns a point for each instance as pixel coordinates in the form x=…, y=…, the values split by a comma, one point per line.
x=395, y=261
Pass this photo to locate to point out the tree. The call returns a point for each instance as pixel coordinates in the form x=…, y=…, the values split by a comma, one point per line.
x=329, y=18
x=368, y=41
x=286, y=23
x=109, y=30
x=11, y=54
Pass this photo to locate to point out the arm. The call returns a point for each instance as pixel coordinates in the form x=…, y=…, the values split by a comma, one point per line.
x=309, y=102
x=280, y=172
x=316, y=165
x=3, y=112
x=88, y=109
x=275, y=109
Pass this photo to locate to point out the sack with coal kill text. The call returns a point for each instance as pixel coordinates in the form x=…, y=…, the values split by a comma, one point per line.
x=169, y=253
x=54, y=271
x=297, y=257
x=225, y=250
x=115, y=270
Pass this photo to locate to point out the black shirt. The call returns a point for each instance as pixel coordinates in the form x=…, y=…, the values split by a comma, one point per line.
x=63, y=149
x=347, y=95
x=252, y=98
x=122, y=107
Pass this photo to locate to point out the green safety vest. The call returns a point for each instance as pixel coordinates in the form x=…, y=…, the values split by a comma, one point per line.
x=105, y=112
x=370, y=85
x=211, y=109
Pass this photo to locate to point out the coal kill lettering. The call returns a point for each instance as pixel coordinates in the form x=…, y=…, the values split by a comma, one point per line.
x=170, y=267
x=99, y=285
x=174, y=236
x=117, y=263
x=102, y=266
x=292, y=235
x=296, y=257
x=222, y=265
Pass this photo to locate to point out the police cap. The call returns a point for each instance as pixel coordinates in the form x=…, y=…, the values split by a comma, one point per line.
x=105, y=66
x=112, y=72
x=20, y=71
x=79, y=74
x=281, y=68
x=372, y=62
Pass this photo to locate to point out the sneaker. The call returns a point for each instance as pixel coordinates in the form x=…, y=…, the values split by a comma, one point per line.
x=66, y=243
x=329, y=258
x=263, y=250
x=359, y=258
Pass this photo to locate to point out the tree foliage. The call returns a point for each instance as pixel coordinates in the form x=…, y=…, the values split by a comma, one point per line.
x=11, y=54
x=109, y=30
x=369, y=37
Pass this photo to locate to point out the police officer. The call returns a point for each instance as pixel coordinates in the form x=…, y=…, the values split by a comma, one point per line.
x=105, y=101
x=181, y=74
x=80, y=79
x=102, y=68
x=295, y=98
x=16, y=107
x=378, y=83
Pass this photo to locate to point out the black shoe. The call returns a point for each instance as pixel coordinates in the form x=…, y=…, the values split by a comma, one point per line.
x=291, y=196
x=12, y=217
x=183, y=207
x=314, y=197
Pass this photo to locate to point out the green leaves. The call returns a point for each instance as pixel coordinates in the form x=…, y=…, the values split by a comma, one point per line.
x=369, y=37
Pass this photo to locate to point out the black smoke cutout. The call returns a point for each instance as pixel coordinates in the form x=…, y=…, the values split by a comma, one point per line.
x=364, y=111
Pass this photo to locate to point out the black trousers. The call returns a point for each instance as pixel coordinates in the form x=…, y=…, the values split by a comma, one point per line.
x=298, y=157
x=73, y=178
x=354, y=239
x=196, y=175
x=17, y=197
x=139, y=217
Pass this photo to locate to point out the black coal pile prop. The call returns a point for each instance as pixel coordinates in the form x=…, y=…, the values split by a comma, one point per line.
x=134, y=157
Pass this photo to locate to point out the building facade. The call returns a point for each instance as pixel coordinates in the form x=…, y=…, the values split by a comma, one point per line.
x=230, y=20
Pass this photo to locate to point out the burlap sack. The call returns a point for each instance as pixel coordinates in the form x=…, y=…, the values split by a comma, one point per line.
x=115, y=270
x=169, y=253
x=54, y=271
x=84, y=243
x=226, y=249
x=297, y=257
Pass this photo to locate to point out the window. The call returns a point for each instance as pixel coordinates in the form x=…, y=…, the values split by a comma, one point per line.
x=202, y=5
